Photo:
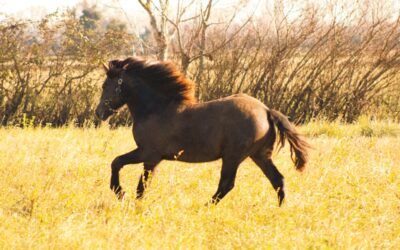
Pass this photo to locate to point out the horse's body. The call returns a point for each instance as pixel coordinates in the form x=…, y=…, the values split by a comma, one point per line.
x=170, y=125
x=239, y=126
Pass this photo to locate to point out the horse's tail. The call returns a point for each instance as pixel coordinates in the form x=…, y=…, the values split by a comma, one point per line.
x=286, y=130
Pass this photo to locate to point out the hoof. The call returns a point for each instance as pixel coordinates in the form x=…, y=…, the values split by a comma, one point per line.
x=121, y=195
x=118, y=192
x=212, y=202
x=281, y=196
x=139, y=196
x=209, y=204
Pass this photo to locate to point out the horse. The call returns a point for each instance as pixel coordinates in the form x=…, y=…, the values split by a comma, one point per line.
x=170, y=124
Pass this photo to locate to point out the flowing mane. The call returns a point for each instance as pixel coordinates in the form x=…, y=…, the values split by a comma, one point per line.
x=162, y=76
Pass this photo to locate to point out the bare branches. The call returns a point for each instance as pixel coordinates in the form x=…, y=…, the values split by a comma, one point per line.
x=307, y=67
x=307, y=61
x=51, y=74
x=158, y=27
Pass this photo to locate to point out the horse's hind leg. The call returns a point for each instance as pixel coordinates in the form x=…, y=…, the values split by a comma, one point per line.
x=263, y=160
x=227, y=179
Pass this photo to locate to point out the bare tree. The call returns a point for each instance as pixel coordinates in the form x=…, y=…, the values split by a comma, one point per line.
x=188, y=33
x=158, y=25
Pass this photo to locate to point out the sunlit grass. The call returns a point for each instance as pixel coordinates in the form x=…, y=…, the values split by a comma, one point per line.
x=55, y=194
x=363, y=127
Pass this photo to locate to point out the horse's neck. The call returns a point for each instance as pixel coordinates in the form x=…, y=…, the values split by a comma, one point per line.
x=144, y=102
x=141, y=110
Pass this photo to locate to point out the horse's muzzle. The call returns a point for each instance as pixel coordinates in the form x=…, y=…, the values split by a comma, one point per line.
x=102, y=114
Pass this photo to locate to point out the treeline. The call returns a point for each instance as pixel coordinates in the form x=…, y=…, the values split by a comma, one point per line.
x=310, y=64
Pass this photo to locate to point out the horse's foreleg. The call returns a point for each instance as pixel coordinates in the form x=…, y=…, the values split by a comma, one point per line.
x=118, y=163
x=226, y=181
x=144, y=181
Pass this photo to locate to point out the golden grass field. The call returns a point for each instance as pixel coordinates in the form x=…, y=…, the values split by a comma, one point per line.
x=55, y=194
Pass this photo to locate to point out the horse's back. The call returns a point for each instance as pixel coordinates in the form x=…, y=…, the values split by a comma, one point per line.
x=245, y=117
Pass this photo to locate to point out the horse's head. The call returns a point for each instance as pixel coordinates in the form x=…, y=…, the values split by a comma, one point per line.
x=111, y=97
x=144, y=85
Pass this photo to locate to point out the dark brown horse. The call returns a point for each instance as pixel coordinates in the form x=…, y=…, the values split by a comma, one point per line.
x=170, y=124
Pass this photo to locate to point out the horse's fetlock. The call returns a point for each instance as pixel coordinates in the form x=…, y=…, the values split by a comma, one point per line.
x=116, y=188
x=278, y=183
x=231, y=186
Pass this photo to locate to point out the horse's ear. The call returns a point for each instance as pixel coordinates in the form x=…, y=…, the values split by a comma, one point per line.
x=105, y=67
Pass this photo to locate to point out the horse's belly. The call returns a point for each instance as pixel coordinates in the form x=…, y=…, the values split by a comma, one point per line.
x=195, y=158
x=195, y=152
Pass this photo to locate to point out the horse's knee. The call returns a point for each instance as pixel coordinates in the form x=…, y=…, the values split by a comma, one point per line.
x=116, y=165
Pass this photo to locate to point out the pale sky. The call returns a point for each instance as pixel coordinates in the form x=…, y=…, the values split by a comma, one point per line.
x=33, y=9
x=38, y=8
x=131, y=10
x=23, y=7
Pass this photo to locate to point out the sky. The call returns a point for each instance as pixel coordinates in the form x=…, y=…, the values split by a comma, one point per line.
x=129, y=10
x=33, y=9
x=132, y=12
x=27, y=8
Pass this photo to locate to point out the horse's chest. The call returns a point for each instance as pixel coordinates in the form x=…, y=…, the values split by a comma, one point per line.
x=151, y=135
x=144, y=134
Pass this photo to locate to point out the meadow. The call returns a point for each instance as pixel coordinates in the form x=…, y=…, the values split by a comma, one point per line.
x=55, y=194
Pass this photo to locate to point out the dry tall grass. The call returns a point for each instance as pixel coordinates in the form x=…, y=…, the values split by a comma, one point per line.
x=55, y=194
